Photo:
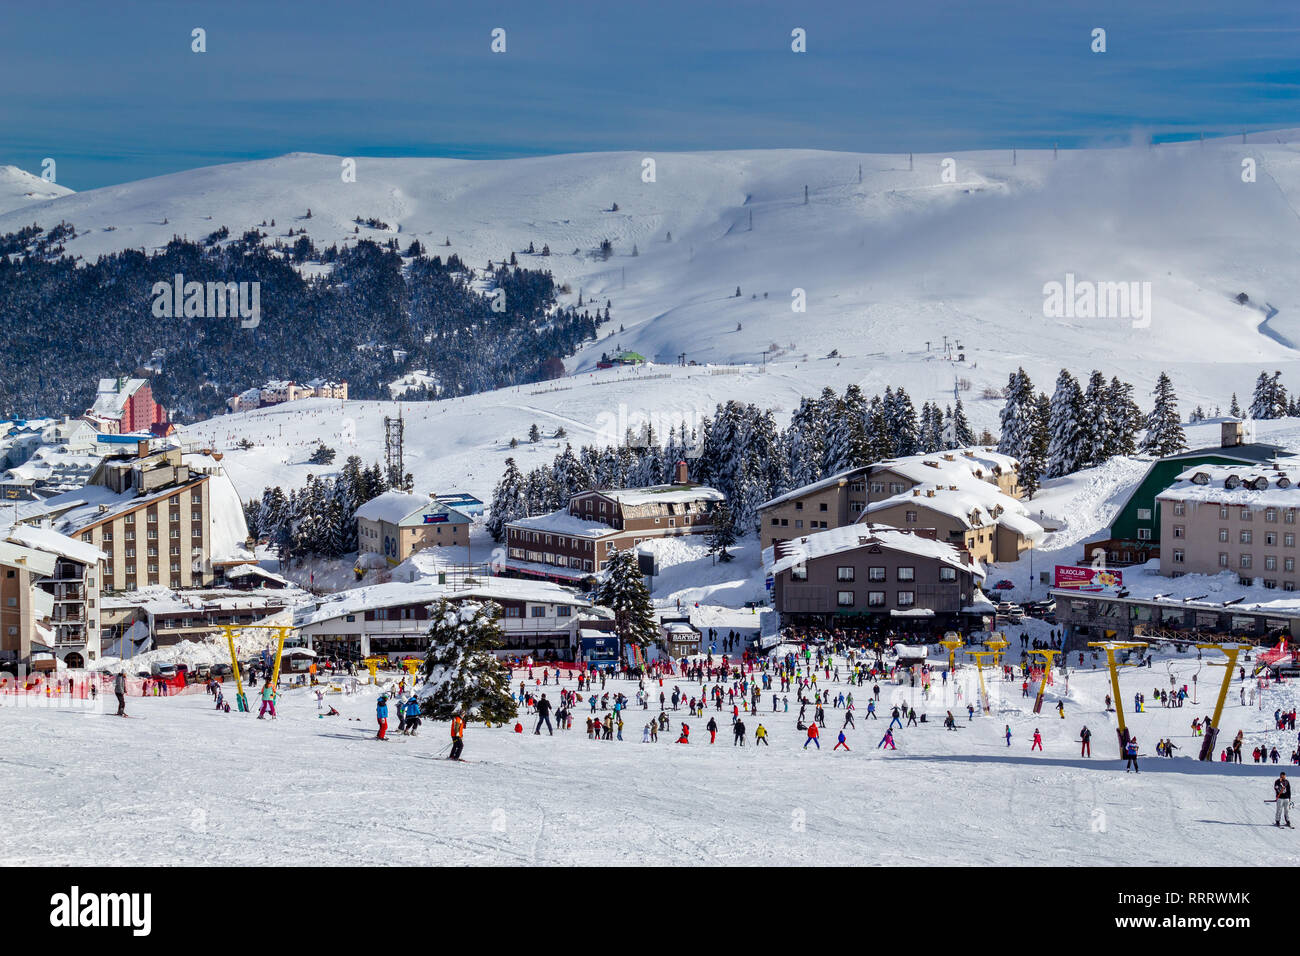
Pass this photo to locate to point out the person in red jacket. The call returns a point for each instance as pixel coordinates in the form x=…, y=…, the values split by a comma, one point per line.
x=685, y=737
x=1038, y=741
x=812, y=736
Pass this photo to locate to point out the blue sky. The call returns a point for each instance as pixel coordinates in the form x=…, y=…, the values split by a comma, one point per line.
x=113, y=92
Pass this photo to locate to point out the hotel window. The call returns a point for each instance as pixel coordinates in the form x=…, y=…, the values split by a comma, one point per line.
x=911, y=517
x=87, y=535
x=1180, y=508
x=1144, y=514
x=1270, y=538
x=844, y=574
x=1245, y=561
x=1288, y=585
x=512, y=612
x=1245, y=514
x=875, y=599
x=947, y=574
x=196, y=515
x=907, y=574
x=1223, y=534
x=798, y=506
x=1179, y=555
x=1245, y=537
x=130, y=536
x=844, y=598
x=1270, y=514
x=1180, y=531
x=896, y=488
x=799, y=572
x=152, y=517
x=776, y=522
x=1270, y=584
x=822, y=507
x=563, y=610
x=1246, y=582
x=1223, y=559
x=1223, y=512
x=537, y=610
x=1288, y=540
x=906, y=598
x=1289, y=516
x=877, y=487
x=798, y=522
x=1144, y=534
x=1288, y=564
x=1270, y=563
x=876, y=574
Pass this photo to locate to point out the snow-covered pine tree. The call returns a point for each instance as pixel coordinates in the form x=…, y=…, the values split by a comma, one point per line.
x=900, y=416
x=1124, y=419
x=1164, y=428
x=461, y=672
x=931, y=435
x=1018, y=416
x=1064, y=443
x=963, y=434
x=723, y=535
x=1235, y=408
x=623, y=591
x=1033, y=462
x=1094, y=422
x=507, y=501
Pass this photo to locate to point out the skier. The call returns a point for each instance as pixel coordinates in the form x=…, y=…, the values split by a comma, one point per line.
x=1282, y=791
x=887, y=739
x=1131, y=755
x=119, y=689
x=760, y=736
x=685, y=737
x=841, y=742
x=812, y=736
x=1038, y=741
x=1085, y=741
x=740, y=734
x=712, y=728
x=412, y=715
x=268, y=701
x=848, y=720
x=1060, y=708
x=457, y=736
x=543, y=716
x=381, y=713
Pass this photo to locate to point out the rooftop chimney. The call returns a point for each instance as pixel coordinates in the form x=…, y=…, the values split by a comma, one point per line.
x=1232, y=433
x=679, y=473
x=142, y=449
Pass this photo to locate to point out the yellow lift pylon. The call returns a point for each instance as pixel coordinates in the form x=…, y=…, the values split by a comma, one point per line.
x=951, y=642
x=979, y=665
x=1047, y=656
x=240, y=698
x=1212, y=732
x=1110, y=647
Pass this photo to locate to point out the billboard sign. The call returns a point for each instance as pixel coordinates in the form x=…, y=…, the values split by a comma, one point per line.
x=1069, y=577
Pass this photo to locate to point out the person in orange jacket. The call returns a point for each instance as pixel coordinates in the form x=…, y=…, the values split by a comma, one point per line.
x=457, y=736
x=812, y=736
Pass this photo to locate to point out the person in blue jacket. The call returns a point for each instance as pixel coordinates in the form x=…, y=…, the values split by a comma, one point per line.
x=412, y=716
x=381, y=715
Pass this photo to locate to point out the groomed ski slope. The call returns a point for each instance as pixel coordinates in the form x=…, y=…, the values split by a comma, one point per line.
x=188, y=785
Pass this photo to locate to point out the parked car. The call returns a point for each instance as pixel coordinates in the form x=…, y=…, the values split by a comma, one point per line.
x=162, y=669
x=1015, y=614
x=202, y=671
x=1003, y=608
x=221, y=670
x=1005, y=585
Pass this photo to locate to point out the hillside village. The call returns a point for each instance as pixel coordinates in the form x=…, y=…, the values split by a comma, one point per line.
x=124, y=538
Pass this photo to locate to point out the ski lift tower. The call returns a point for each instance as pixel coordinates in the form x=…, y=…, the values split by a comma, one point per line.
x=1111, y=646
x=1230, y=651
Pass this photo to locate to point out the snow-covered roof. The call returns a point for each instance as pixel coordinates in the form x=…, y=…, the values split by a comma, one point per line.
x=110, y=401
x=668, y=494
x=252, y=570
x=561, y=522
x=398, y=594
x=971, y=500
x=1259, y=486
x=1144, y=582
x=39, y=562
x=391, y=506
x=837, y=540
x=47, y=539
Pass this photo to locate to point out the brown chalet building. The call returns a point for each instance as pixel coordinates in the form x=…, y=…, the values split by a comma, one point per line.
x=575, y=542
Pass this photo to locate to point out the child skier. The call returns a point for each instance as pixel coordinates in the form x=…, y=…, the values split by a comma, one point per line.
x=381, y=717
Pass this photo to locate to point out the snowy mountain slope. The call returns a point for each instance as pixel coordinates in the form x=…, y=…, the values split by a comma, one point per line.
x=19, y=189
